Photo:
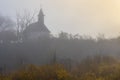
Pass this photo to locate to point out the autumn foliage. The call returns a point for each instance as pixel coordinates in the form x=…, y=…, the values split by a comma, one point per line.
x=92, y=68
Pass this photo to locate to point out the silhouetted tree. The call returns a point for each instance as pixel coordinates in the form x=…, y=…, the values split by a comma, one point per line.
x=7, y=32
x=6, y=23
x=23, y=20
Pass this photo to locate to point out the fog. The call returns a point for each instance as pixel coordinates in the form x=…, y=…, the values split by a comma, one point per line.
x=64, y=31
x=88, y=17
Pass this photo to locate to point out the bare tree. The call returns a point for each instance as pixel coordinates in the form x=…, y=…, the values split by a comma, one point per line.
x=7, y=33
x=6, y=23
x=23, y=20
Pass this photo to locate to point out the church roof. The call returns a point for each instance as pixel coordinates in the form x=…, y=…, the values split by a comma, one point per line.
x=36, y=27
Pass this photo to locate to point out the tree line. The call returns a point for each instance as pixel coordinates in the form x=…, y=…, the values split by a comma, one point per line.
x=65, y=48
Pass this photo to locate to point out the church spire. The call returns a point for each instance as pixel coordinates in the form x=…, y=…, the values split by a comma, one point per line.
x=41, y=16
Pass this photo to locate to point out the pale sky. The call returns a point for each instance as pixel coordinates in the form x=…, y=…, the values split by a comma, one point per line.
x=86, y=17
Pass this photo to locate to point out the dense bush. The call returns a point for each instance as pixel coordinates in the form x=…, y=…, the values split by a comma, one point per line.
x=47, y=72
x=94, y=68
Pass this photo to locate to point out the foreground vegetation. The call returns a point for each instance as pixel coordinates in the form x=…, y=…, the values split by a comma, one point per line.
x=92, y=68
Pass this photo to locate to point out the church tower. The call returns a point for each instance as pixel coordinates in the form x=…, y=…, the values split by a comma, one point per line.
x=37, y=29
x=41, y=17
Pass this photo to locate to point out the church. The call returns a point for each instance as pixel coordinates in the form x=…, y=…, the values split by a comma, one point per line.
x=38, y=29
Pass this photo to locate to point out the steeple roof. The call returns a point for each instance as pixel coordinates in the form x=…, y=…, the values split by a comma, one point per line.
x=41, y=12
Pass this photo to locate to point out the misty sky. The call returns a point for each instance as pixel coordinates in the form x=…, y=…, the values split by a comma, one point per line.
x=86, y=17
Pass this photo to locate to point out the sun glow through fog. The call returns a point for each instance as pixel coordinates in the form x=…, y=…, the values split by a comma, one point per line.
x=75, y=16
